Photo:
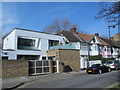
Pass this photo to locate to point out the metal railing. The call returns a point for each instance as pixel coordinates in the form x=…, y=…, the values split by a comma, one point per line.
x=66, y=46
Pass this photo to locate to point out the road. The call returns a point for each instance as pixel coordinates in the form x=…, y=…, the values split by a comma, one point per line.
x=78, y=81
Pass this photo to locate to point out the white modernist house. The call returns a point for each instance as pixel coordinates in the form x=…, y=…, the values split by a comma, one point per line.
x=27, y=43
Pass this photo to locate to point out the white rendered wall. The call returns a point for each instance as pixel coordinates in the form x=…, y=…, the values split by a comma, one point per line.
x=9, y=41
x=93, y=50
x=12, y=41
x=83, y=51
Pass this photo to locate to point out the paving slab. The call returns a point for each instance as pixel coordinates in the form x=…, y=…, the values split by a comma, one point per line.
x=13, y=82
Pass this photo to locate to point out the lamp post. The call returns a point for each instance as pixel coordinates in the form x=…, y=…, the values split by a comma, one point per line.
x=109, y=30
x=110, y=36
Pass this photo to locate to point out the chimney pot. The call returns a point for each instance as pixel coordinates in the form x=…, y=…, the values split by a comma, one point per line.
x=111, y=38
x=96, y=34
x=73, y=29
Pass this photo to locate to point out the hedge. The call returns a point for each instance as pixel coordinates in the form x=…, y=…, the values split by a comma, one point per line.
x=99, y=57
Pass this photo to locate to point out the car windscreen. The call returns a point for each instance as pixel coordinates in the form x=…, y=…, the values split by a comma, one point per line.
x=109, y=62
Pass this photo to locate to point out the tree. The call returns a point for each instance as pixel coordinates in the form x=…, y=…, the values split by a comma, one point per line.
x=111, y=13
x=59, y=25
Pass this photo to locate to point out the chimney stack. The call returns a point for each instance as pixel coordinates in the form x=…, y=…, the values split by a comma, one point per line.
x=111, y=38
x=96, y=34
x=73, y=29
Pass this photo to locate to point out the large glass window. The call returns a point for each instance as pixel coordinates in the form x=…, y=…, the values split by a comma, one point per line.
x=24, y=43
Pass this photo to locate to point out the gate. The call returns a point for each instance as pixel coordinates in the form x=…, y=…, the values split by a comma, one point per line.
x=42, y=67
x=54, y=66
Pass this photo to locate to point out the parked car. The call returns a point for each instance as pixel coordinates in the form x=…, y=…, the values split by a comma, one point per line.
x=98, y=68
x=113, y=64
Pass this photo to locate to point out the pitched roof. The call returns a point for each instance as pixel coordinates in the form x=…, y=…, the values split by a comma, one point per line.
x=70, y=36
x=26, y=30
x=117, y=43
x=85, y=37
x=103, y=42
x=112, y=42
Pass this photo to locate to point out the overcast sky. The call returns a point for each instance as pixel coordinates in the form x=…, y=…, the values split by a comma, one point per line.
x=37, y=15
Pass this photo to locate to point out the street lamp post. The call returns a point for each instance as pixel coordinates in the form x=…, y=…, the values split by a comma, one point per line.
x=110, y=38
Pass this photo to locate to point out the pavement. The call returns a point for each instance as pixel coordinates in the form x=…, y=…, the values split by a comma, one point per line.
x=12, y=83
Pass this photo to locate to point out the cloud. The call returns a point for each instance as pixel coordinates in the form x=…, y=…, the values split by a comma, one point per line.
x=9, y=18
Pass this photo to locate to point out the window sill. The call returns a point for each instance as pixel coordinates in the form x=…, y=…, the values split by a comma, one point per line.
x=30, y=49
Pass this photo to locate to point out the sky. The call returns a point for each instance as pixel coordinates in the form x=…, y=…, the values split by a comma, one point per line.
x=38, y=15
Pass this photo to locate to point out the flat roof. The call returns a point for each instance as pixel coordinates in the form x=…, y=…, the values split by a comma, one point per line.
x=30, y=31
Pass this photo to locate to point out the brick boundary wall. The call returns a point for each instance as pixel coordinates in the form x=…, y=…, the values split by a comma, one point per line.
x=14, y=68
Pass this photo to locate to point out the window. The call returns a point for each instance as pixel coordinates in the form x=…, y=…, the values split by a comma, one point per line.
x=51, y=58
x=108, y=49
x=28, y=57
x=85, y=47
x=53, y=43
x=95, y=48
x=80, y=46
x=105, y=49
x=26, y=42
x=43, y=58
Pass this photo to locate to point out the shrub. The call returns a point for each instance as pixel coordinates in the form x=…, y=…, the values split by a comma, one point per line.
x=99, y=57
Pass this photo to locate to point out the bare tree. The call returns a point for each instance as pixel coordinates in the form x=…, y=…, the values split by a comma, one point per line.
x=59, y=25
x=66, y=24
x=111, y=13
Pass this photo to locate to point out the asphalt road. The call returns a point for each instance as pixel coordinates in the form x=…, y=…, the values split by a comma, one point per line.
x=79, y=81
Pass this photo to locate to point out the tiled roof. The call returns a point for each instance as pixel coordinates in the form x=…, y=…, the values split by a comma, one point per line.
x=70, y=36
x=116, y=43
x=102, y=41
x=85, y=37
x=112, y=42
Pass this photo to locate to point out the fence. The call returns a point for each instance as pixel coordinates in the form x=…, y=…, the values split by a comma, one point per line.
x=94, y=62
x=42, y=67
